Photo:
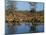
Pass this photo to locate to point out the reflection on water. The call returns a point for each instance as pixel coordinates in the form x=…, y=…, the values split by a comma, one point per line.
x=40, y=28
x=24, y=27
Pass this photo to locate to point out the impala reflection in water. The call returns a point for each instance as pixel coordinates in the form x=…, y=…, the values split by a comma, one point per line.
x=19, y=28
x=24, y=27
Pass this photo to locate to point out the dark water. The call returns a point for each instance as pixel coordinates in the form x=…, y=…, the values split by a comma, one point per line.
x=24, y=27
x=40, y=28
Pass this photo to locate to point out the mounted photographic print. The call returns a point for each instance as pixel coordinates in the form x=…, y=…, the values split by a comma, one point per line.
x=24, y=17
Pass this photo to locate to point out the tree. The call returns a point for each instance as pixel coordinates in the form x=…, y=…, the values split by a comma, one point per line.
x=33, y=6
x=33, y=20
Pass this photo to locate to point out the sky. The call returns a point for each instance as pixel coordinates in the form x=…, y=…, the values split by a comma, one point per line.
x=22, y=6
x=26, y=6
x=39, y=6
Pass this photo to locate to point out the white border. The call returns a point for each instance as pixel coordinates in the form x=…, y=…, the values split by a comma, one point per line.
x=2, y=17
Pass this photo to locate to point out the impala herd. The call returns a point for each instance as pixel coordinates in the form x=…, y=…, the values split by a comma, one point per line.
x=20, y=17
